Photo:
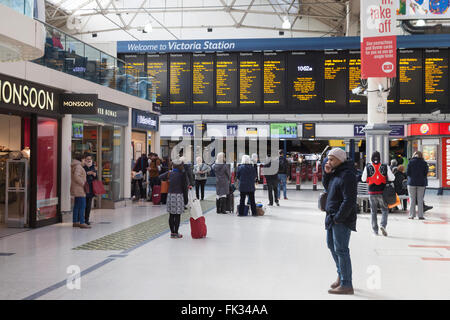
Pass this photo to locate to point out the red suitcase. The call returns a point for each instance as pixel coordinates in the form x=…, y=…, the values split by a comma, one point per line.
x=198, y=227
x=156, y=194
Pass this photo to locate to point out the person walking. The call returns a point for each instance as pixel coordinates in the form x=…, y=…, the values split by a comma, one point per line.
x=339, y=181
x=140, y=170
x=201, y=171
x=175, y=200
x=78, y=180
x=377, y=174
x=270, y=171
x=91, y=175
x=416, y=173
x=223, y=181
x=283, y=170
x=400, y=183
x=246, y=176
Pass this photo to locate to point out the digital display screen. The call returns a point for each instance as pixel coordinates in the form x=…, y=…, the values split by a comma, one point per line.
x=226, y=80
x=203, y=79
x=250, y=79
x=77, y=130
x=354, y=78
x=283, y=130
x=157, y=68
x=305, y=76
x=436, y=77
x=180, y=79
x=410, y=80
x=335, y=78
x=274, y=79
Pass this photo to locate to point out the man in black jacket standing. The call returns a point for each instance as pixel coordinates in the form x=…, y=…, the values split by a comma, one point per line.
x=270, y=172
x=341, y=185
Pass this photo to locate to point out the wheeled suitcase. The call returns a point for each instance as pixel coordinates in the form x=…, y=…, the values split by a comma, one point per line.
x=156, y=194
x=244, y=212
x=229, y=207
x=198, y=227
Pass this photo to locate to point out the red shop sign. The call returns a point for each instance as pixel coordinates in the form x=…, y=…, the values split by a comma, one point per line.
x=446, y=162
x=423, y=129
x=444, y=129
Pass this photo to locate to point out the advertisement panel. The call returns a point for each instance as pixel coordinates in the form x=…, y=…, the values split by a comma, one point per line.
x=283, y=130
x=446, y=162
x=422, y=9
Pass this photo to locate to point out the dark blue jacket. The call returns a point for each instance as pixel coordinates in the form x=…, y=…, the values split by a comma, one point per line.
x=417, y=172
x=247, y=176
x=341, y=186
x=90, y=179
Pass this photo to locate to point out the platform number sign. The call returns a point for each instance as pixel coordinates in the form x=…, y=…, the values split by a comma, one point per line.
x=232, y=130
x=188, y=129
x=358, y=130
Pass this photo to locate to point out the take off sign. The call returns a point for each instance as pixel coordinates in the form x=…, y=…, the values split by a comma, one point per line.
x=378, y=39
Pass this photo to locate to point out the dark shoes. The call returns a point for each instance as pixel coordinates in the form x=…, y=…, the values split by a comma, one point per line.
x=278, y=204
x=421, y=218
x=426, y=208
x=383, y=231
x=341, y=290
x=336, y=284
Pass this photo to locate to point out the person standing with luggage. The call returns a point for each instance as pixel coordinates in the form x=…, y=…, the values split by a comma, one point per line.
x=78, y=180
x=246, y=176
x=283, y=170
x=91, y=175
x=270, y=172
x=417, y=173
x=339, y=181
x=377, y=174
x=201, y=171
x=223, y=181
x=140, y=171
x=178, y=185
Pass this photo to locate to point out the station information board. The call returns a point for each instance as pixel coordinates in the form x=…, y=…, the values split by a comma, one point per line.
x=226, y=80
x=157, y=68
x=335, y=78
x=250, y=79
x=410, y=79
x=203, y=79
x=274, y=79
x=354, y=77
x=305, y=78
x=436, y=77
x=180, y=79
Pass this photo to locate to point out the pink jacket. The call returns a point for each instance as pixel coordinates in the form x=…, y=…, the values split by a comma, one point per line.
x=78, y=179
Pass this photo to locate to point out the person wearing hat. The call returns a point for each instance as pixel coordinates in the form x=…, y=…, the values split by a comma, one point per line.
x=339, y=181
x=377, y=175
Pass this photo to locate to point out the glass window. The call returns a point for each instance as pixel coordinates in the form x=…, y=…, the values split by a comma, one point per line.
x=22, y=6
x=47, y=166
x=92, y=64
x=112, y=162
x=107, y=71
x=121, y=78
x=75, y=60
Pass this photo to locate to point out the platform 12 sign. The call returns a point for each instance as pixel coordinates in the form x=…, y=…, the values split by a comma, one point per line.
x=378, y=39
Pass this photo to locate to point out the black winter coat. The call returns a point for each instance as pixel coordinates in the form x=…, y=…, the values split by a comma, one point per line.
x=417, y=172
x=247, y=178
x=90, y=179
x=341, y=186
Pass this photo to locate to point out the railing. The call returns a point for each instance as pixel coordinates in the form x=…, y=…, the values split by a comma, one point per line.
x=70, y=55
x=25, y=7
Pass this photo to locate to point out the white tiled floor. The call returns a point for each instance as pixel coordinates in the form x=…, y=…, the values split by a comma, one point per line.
x=282, y=255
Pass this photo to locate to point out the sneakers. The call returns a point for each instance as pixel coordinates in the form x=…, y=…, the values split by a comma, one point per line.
x=341, y=290
x=176, y=235
x=336, y=284
x=426, y=208
x=383, y=231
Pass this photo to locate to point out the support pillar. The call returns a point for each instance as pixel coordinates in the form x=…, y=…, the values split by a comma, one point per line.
x=66, y=160
x=127, y=158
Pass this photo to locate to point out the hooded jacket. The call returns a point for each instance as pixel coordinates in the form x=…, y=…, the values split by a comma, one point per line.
x=341, y=186
x=78, y=179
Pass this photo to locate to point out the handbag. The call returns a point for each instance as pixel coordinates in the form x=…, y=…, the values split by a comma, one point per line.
x=98, y=188
x=322, y=203
x=195, y=208
x=389, y=195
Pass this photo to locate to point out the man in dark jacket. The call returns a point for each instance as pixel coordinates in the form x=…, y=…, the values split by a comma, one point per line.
x=270, y=172
x=417, y=173
x=283, y=170
x=340, y=183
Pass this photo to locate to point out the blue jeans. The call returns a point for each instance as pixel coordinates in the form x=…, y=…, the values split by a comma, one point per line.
x=377, y=201
x=282, y=177
x=338, y=238
x=78, y=210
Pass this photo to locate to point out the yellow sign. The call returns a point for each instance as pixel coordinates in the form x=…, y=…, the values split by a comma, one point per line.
x=337, y=143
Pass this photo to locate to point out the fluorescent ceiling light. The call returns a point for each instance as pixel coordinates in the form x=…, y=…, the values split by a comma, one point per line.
x=420, y=23
x=286, y=24
x=148, y=27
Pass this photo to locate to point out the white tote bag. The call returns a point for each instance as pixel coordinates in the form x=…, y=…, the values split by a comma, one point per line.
x=194, y=206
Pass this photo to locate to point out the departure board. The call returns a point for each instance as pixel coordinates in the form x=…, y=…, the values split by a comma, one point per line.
x=354, y=77
x=436, y=77
x=410, y=79
x=250, y=84
x=226, y=80
x=157, y=68
x=203, y=79
x=180, y=79
x=335, y=78
x=305, y=78
x=274, y=74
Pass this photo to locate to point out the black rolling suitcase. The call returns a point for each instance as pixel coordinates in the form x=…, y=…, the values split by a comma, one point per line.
x=229, y=207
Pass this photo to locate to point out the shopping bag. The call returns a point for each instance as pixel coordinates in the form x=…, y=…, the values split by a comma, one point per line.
x=397, y=203
x=98, y=188
x=164, y=186
x=194, y=206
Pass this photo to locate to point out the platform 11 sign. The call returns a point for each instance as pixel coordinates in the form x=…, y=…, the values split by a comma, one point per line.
x=378, y=40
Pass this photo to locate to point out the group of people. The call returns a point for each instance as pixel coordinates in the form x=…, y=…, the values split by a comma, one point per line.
x=151, y=165
x=83, y=175
x=340, y=183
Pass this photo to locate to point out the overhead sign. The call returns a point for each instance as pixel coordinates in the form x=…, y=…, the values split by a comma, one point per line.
x=232, y=130
x=378, y=39
x=74, y=103
x=108, y=112
x=283, y=130
x=397, y=130
x=145, y=120
x=309, y=130
x=188, y=129
x=423, y=9
x=252, y=131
